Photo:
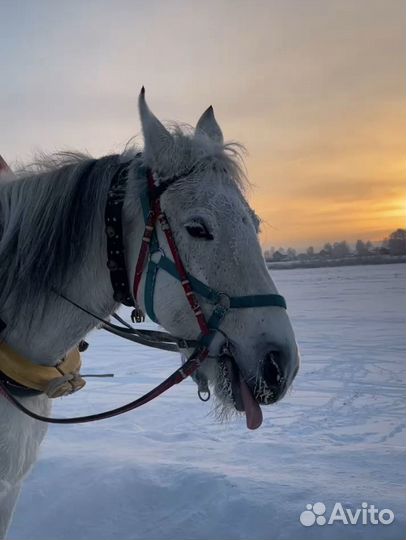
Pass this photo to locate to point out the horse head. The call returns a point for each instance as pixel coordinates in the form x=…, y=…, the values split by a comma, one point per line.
x=254, y=357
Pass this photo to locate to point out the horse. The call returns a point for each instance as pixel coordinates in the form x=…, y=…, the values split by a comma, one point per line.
x=56, y=286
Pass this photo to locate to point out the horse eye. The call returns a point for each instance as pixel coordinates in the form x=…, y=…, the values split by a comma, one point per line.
x=199, y=230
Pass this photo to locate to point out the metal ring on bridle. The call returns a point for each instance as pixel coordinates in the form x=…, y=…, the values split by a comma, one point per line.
x=201, y=393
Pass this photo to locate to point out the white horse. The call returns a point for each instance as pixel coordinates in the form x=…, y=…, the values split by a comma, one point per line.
x=52, y=238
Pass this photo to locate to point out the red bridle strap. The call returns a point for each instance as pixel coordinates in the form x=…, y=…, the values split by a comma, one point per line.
x=154, y=214
x=144, y=251
x=184, y=280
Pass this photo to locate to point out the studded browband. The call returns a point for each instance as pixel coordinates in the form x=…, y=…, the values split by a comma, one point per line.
x=114, y=233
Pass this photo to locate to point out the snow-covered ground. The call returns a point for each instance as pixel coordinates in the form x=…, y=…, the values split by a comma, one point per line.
x=170, y=471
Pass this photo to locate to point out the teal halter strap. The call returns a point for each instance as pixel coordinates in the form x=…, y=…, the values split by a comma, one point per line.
x=210, y=295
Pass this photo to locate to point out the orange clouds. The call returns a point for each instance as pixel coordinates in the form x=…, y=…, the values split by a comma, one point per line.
x=345, y=182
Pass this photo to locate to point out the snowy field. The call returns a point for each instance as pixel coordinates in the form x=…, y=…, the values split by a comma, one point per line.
x=170, y=471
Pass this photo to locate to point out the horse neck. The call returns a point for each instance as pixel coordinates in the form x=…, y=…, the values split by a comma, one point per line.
x=56, y=326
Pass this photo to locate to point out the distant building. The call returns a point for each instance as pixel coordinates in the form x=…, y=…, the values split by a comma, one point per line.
x=324, y=253
x=278, y=256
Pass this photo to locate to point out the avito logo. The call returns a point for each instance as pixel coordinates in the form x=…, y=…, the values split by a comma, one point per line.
x=368, y=514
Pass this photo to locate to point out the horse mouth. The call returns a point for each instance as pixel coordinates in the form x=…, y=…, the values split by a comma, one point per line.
x=234, y=387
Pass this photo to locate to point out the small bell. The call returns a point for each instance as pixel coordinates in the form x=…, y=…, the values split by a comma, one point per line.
x=137, y=315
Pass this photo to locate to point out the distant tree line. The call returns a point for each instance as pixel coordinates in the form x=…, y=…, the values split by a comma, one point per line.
x=394, y=244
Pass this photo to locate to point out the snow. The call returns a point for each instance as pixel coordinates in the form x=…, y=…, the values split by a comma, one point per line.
x=169, y=470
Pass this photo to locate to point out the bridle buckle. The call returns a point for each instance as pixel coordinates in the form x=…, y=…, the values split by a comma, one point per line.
x=224, y=301
x=157, y=255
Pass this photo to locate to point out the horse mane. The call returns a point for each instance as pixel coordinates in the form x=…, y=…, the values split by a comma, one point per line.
x=48, y=216
x=52, y=212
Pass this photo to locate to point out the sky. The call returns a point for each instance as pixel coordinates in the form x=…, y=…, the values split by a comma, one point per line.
x=314, y=90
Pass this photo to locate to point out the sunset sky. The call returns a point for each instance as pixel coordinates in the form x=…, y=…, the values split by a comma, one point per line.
x=313, y=89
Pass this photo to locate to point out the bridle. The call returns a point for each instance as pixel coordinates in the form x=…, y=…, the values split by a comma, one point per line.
x=152, y=259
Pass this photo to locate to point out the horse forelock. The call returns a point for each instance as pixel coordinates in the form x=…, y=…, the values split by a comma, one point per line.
x=219, y=164
x=205, y=156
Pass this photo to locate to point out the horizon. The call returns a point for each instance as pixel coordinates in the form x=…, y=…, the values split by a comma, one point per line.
x=318, y=247
x=314, y=91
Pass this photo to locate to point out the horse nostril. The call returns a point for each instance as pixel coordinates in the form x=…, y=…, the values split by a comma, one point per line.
x=272, y=370
x=270, y=386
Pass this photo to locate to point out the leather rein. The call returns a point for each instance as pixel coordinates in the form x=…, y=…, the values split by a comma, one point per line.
x=152, y=258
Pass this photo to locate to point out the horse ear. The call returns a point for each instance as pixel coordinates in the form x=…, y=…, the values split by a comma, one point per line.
x=208, y=125
x=158, y=140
